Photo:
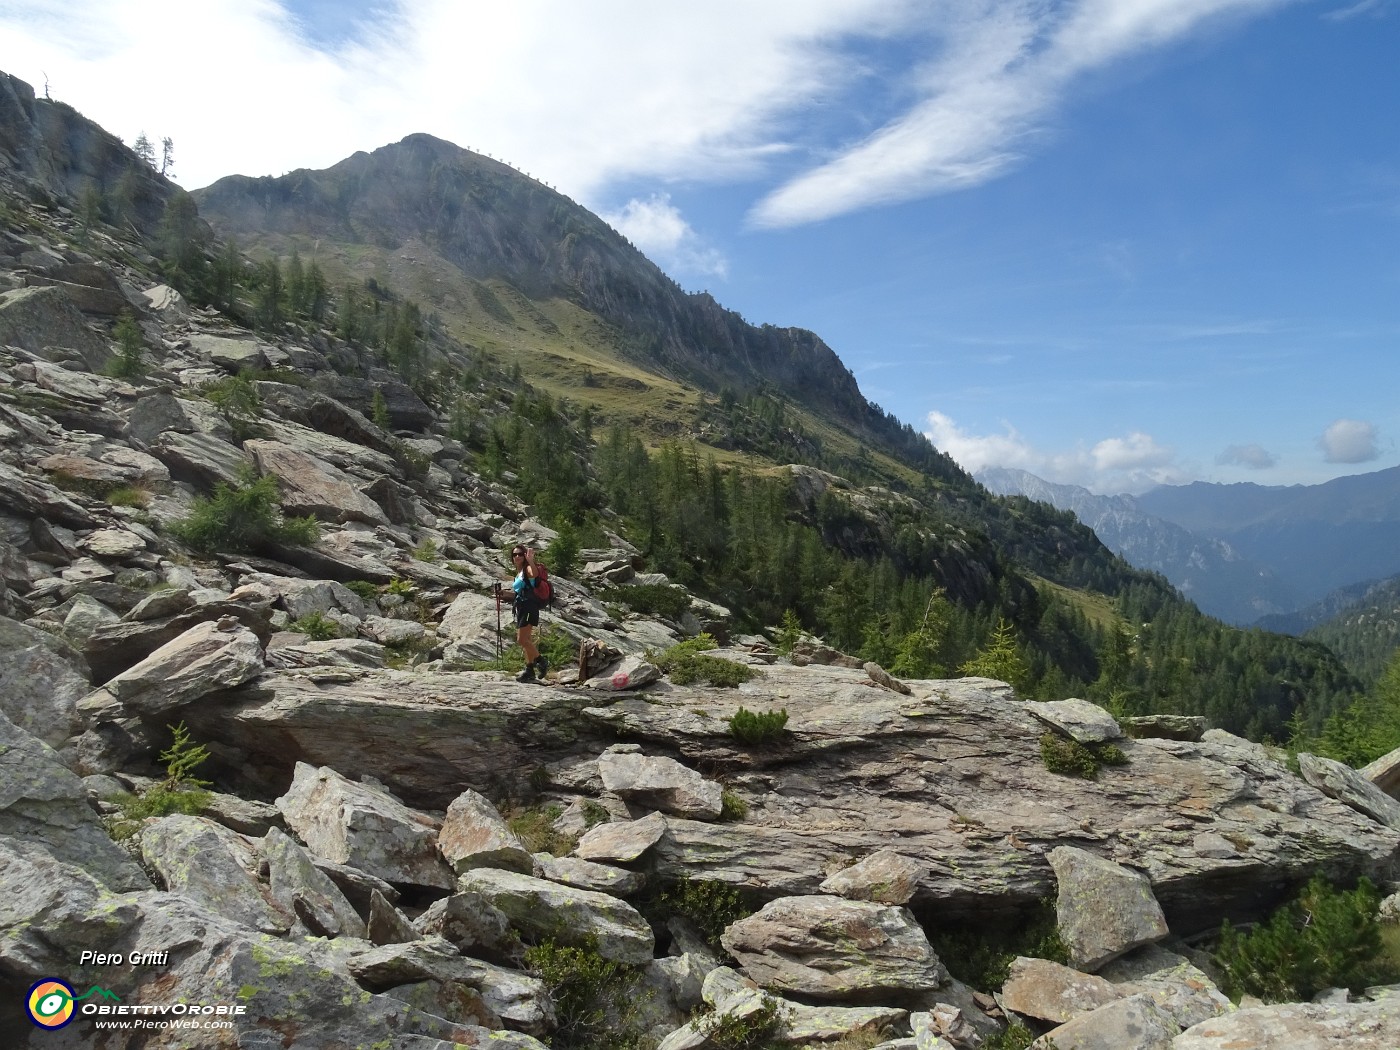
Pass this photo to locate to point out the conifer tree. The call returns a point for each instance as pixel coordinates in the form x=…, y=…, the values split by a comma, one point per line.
x=999, y=659
x=144, y=150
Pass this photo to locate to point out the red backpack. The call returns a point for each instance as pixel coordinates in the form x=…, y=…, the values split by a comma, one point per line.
x=544, y=590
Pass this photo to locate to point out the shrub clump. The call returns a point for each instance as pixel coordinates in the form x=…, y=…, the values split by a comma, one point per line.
x=1070, y=758
x=750, y=727
x=686, y=664
x=242, y=517
x=595, y=999
x=711, y=906
x=657, y=599
x=1326, y=938
x=316, y=626
x=535, y=830
x=752, y=1032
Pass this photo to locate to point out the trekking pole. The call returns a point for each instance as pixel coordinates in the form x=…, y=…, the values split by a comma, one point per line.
x=498, y=621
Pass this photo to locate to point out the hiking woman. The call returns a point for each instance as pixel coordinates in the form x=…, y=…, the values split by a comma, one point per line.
x=527, y=613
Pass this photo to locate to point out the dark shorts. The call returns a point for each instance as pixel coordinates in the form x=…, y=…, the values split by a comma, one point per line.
x=527, y=614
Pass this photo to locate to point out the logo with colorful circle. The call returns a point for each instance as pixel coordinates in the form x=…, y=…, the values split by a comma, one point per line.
x=51, y=1001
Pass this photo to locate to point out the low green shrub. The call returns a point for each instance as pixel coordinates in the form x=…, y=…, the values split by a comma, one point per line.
x=982, y=956
x=242, y=517
x=363, y=589
x=657, y=599
x=711, y=906
x=732, y=805
x=1326, y=938
x=711, y=670
x=535, y=830
x=595, y=999
x=129, y=496
x=1070, y=758
x=753, y=1032
x=236, y=399
x=316, y=626
x=129, y=361
x=750, y=727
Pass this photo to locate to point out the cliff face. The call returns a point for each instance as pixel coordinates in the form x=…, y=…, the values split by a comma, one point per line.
x=63, y=153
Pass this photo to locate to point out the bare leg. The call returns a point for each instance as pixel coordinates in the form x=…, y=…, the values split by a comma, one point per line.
x=526, y=637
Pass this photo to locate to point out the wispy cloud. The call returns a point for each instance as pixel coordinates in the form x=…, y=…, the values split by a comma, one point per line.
x=1133, y=462
x=1371, y=8
x=1350, y=441
x=658, y=229
x=1001, y=70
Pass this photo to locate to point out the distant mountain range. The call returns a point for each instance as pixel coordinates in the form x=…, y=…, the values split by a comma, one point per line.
x=1243, y=552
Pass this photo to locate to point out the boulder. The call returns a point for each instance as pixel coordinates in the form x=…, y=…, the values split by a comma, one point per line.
x=1176, y=984
x=233, y=355
x=1103, y=909
x=51, y=912
x=204, y=659
x=567, y=915
x=1079, y=720
x=44, y=803
x=621, y=841
x=45, y=322
x=631, y=672
x=659, y=783
x=41, y=682
x=386, y=924
x=586, y=875
x=1049, y=991
x=214, y=867
x=1351, y=787
x=885, y=876
x=350, y=823
x=472, y=923
x=1300, y=1026
x=311, y=486
x=305, y=891
x=830, y=948
x=1135, y=1022
x=474, y=835
x=518, y=999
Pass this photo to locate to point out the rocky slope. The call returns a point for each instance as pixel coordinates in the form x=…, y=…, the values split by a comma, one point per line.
x=369, y=870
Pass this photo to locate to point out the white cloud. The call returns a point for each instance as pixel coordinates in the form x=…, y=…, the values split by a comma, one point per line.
x=578, y=95
x=587, y=96
x=1251, y=457
x=1131, y=463
x=659, y=231
x=1002, y=68
x=1350, y=441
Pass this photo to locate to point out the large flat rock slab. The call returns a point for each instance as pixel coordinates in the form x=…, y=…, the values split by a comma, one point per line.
x=950, y=777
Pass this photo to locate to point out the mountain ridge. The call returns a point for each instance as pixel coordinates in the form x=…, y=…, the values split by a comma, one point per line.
x=457, y=202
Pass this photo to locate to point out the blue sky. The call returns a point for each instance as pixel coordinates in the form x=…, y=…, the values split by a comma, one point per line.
x=1114, y=242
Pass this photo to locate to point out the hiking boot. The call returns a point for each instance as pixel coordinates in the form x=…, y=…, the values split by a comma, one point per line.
x=527, y=675
x=541, y=668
